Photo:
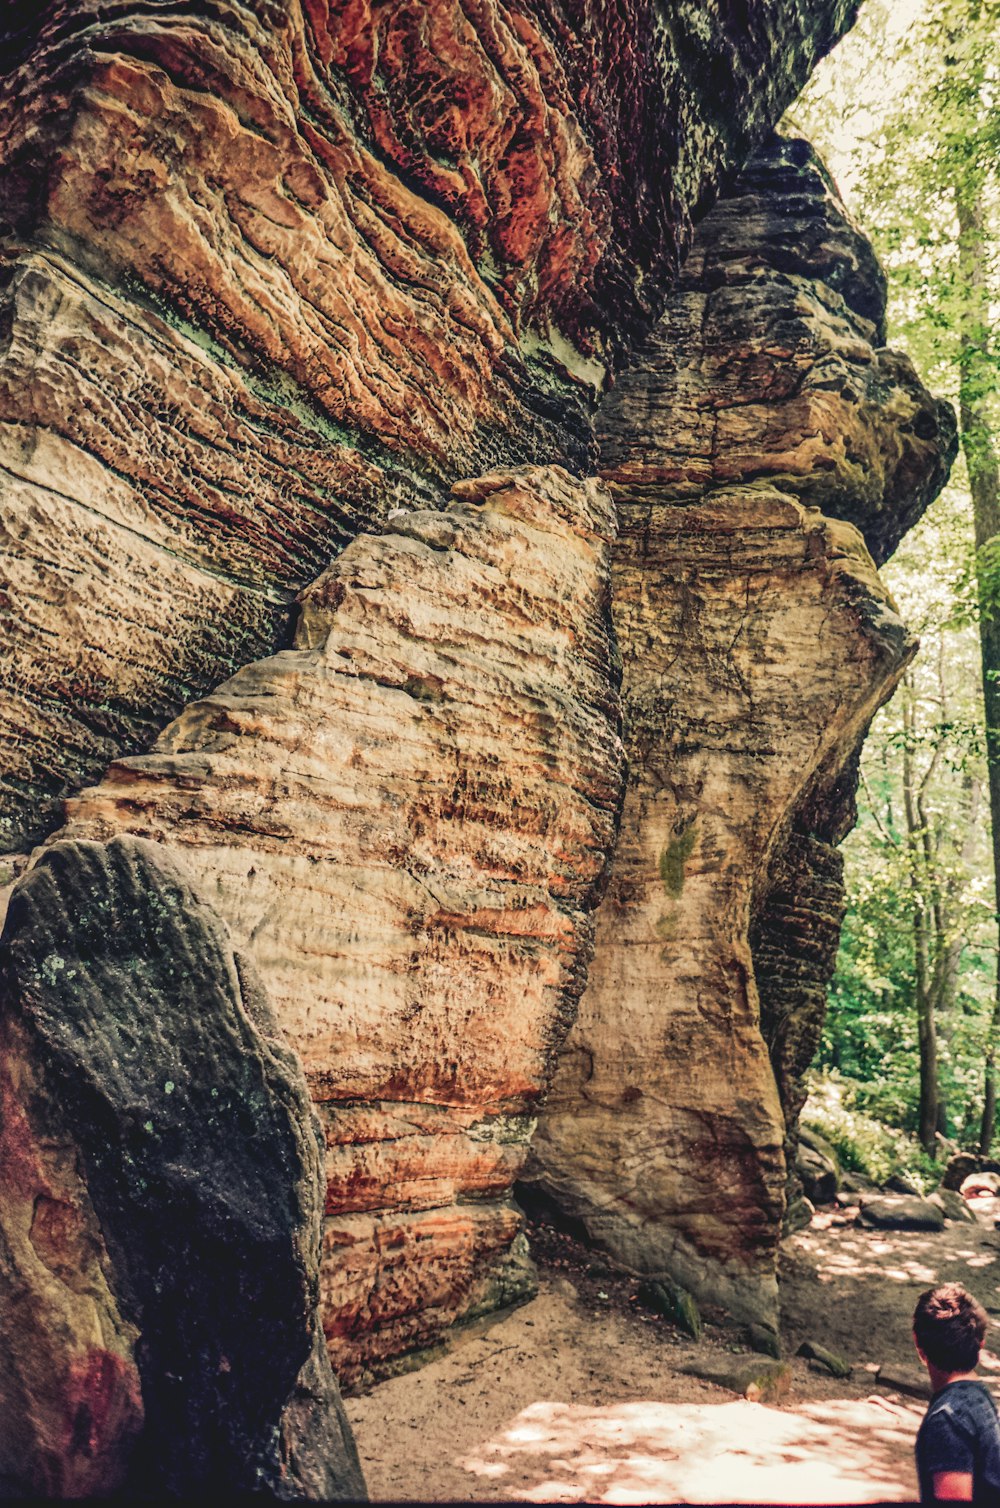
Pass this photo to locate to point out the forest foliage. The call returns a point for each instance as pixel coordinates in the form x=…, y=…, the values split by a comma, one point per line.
x=907, y=113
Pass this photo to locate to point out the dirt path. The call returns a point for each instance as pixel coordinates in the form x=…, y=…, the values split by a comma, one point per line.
x=579, y=1396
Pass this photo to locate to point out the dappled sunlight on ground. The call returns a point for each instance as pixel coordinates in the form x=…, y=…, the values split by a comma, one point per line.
x=576, y=1398
x=901, y=1257
x=859, y=1254
x=837, y=1451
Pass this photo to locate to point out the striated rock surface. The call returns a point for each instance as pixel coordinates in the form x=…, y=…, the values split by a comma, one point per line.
x=406, y=820
x=757, y=643
x=158, y=509
x=795, y=933
x=161, y=1202
x=275, y=277
x=269, y=271
x=770, y=363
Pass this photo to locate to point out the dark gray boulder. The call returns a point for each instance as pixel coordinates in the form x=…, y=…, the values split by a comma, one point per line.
x=818, y=1174
x=952, y=1205
x=141, y=1047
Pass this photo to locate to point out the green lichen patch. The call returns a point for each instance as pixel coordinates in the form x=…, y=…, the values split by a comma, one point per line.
x=673, y=859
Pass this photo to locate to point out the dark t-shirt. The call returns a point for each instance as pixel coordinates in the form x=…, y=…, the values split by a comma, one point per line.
x=960, y=1432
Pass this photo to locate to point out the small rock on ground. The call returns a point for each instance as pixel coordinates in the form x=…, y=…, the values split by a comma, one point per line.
x=753, y=1379
x=673, y=1303
x=951, y=1205
x=825, y=1360
x=902, y=1212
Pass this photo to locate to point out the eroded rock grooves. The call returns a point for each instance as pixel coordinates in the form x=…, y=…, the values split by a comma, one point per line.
x=272, y=270
x=798, y=911
x=757, y=642
x=770, y=364
x=663, y=1131
x=162, y=1199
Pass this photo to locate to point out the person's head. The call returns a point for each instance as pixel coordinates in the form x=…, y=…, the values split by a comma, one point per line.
x=949, y=1327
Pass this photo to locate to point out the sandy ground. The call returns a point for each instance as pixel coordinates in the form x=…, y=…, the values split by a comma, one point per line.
x=580, y=1396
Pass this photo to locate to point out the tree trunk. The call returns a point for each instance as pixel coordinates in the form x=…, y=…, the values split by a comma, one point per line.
x=927, y=1038
x=975, y=381
x=989, y=1095
x=921, y=921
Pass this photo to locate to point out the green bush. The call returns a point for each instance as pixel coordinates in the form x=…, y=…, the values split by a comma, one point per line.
x=863, y=1144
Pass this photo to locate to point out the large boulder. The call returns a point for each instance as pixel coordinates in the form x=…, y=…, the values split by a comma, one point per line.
x=979, y=1184
x=161, y=1197
x=817, y=1174
x=808, y=1136
x=902, y=1212
x=406, y=820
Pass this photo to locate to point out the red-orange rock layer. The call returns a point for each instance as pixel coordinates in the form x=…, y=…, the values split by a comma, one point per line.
x=392, y=1284
x=414, y=1156
x=68, y=1377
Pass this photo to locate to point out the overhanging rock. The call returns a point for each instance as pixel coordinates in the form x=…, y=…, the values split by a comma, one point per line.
x=272, y=270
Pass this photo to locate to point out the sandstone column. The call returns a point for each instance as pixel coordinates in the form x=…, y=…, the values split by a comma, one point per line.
x=757, y=643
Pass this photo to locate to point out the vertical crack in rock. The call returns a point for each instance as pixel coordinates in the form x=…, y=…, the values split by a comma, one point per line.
x=161, y=1201
x=757, y=643
x=795, y=934
x=406, y=820
x=271, y=271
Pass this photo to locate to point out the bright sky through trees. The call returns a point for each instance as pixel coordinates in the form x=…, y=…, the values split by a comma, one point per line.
x=858, y=84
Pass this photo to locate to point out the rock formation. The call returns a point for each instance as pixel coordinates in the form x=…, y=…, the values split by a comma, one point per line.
x=159, y=1223
x=798, y=911
x=406, y=821
x=770, y=363
x=757, y=643
x=271, y=270
x=279, y=279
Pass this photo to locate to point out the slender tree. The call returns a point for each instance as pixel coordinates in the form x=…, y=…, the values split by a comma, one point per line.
x=977, y=380
x=964, y=96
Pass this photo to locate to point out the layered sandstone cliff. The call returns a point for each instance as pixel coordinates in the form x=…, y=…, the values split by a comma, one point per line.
x=757, y=643
x=406, y=821
x=299, y=282
x=271, y=270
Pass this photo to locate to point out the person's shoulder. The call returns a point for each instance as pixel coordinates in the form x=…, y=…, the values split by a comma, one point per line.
x=968, y=1399
x=972, y=1389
